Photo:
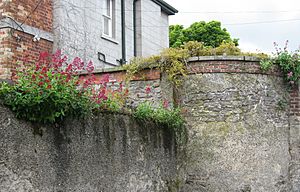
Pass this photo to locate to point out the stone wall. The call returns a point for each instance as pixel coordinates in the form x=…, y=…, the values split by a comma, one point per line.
x=243, y=124
x=243, y=135
x=108, y=152
x=239, y=128
x=160, y=89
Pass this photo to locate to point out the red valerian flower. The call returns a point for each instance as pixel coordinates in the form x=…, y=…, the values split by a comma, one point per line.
x=148, y=89
x=166, y=104
x=69, y=68
x=43, y=55
x=44, y=70
x=105, y=79
x=37, y=66
x=56, y=57
x=90, y=67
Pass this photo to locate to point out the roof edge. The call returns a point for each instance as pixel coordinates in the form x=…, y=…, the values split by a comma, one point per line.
x=167, y=8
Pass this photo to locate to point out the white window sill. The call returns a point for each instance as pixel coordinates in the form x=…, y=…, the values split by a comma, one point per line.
x=108, y=38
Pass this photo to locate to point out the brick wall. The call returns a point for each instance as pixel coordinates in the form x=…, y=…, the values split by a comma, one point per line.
x=16, y=45
x=39, y=12
x=295, y=101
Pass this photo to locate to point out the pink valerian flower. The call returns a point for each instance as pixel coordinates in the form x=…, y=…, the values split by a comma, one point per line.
x=78, y=63
x=286, y=45
x=59, y=63
x=69, y=68
x=121, y=87
x=290, y=74
x=44, y=70
x=90, y=67
x=166, y=104
x=37, y=66
x=56, y=57
x=102, y=95
x=89, y=80
x=105, y=79
x=43, y=56
x=148, y=89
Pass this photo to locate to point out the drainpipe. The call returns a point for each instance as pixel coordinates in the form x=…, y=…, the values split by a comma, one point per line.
x=123, y=60
x=134, y=28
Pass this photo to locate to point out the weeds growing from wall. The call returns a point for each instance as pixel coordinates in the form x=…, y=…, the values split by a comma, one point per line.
x=174, y=61
x=168, y=117
x=288, y=62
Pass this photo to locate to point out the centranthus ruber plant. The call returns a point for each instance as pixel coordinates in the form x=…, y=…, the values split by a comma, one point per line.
x=50, y=90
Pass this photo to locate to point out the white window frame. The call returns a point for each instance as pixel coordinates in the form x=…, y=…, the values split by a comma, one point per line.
x=108, y=15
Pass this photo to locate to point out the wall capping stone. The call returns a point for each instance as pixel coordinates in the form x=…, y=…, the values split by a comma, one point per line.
x=223, y=58
x=191, y=59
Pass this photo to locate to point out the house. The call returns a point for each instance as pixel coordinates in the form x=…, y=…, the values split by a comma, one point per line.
x=108, y=32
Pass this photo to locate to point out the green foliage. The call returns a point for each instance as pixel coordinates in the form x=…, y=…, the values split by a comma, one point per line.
x=39, y=101
x=176, y=35
x=195, y=48
x=227, y=48
x=51, y=90
x=171, y=118
x=266, y=64
x=288, y=62
x=210, y=34
x=172, y=61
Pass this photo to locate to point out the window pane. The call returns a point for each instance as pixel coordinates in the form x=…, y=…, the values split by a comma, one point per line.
x=108, y=7
x=106, y=26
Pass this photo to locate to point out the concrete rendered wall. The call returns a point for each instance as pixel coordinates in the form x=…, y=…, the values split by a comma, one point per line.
x=152, y=33
x=109, y=152
x=78, y=30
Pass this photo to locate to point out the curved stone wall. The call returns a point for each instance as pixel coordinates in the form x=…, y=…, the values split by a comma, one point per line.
x=238, y=125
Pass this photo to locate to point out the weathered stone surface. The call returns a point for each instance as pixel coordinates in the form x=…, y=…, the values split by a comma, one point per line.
x=295, y=153
x=238, y=133
x=110, y=152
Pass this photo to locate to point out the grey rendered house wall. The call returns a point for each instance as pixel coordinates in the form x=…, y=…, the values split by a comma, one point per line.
x=78, y=30
x=152, y=29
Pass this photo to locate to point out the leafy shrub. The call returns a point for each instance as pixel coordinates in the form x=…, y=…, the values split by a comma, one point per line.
x=172, y=61
x=196, y=48
x=227, y=48
x=171, y=118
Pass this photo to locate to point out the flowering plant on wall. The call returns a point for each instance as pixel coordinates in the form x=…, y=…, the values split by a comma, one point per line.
x=288, y=62
x=51, y=89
